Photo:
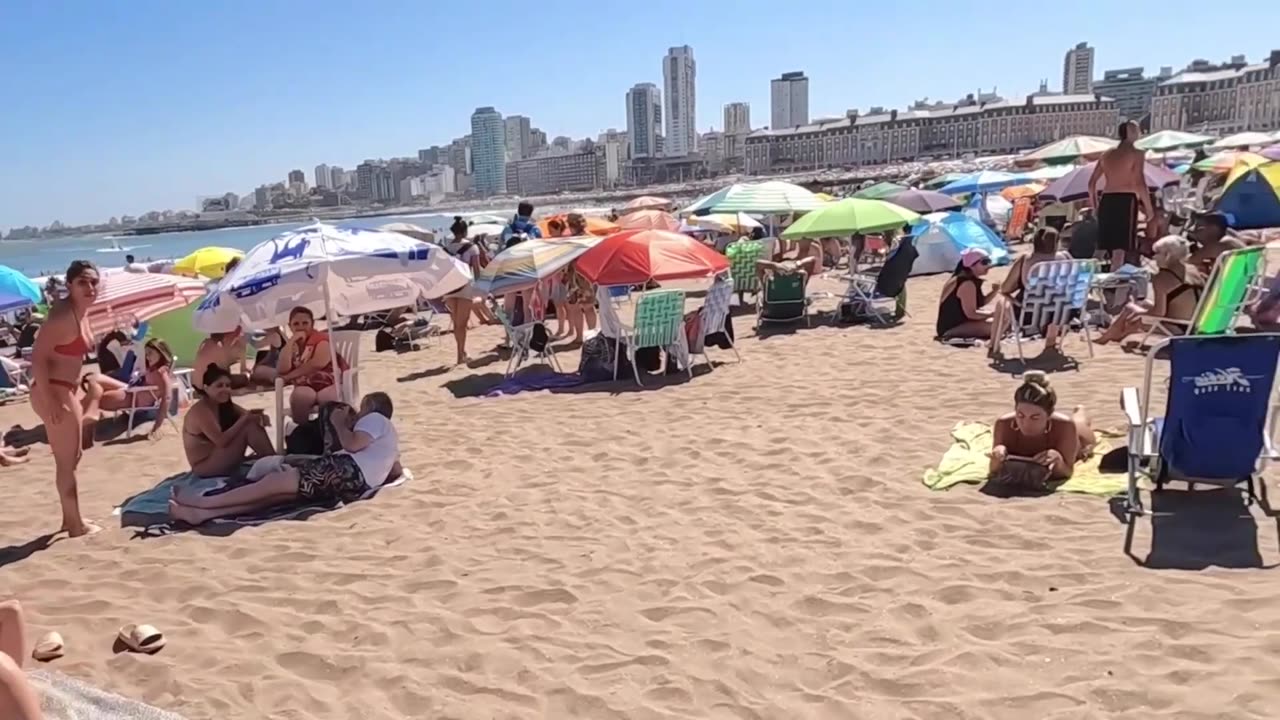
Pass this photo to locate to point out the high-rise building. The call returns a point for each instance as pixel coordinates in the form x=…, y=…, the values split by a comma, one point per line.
x=1130, y=89
x=488, y=151
x=537, y=140
x=737, y=118
x=459, y=155
x=297, y=176
x=644, y=119
x=679, y=76
x=1077, y=70
x=324, y=178
x=337, y=177
x=518, y=134
x=231, y=200
x=789, y=100
x=262, y=198
x=430, y=156
x=364, y=178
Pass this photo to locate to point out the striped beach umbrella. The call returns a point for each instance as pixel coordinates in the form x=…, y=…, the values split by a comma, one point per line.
x=1167, y=140
x=1069, y=149
x=770, y=197
x=126, y=298
x=523, y=265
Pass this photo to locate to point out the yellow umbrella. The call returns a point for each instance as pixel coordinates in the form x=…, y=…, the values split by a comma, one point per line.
x=824, y=197
x=210, y=262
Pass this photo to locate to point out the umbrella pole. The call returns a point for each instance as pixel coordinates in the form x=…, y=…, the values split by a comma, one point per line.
x=329, y=320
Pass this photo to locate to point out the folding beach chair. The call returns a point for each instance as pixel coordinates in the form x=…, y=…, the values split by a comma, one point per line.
x=417, y=325
x=783, y=299
x=346, y=345
x=1237, y=282
x=520, y=338
x=742, y=256
x=715, y=309
x=1055, y=294
x=659, y=323
x=141, y=399
x=14, y=388
x=1217, y=429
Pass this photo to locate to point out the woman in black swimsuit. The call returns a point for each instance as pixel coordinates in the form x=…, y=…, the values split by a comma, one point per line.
x=1174, y=295
x=960, y=311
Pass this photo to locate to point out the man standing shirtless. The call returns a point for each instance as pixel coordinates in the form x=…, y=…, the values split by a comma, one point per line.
x=1121, y=168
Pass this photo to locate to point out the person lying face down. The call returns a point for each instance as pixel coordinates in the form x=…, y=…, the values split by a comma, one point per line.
x=370, y=456
x=1051, y=442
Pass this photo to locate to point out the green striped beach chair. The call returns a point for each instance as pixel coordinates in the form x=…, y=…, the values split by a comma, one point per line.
x=742, y=256
x=1237, y=281
x=659, y=322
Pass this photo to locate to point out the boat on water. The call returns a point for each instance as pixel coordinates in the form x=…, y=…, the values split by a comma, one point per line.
x=115, y=247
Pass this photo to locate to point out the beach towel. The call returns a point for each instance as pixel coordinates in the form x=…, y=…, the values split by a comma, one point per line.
x=151, y=507
x=534, y=380
x=65, y=698
x=966, y=461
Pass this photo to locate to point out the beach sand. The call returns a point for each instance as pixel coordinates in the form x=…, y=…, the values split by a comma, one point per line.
x=755, y=543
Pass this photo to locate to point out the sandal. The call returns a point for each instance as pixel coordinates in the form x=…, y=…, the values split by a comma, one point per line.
x=141, y=638
x=49, y=648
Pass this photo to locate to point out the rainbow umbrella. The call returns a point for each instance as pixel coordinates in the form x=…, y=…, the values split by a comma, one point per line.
x=522, y=265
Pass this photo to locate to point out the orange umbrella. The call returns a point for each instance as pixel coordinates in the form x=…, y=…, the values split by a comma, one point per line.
x=595, y=225
x=648, y=220
x=1021, y=191
x=635, y=257
x=647, y=202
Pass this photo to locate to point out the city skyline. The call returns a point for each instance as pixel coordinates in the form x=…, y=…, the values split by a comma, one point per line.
x=128, y=156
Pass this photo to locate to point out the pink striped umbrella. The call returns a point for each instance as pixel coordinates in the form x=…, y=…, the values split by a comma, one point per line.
x=125, y=298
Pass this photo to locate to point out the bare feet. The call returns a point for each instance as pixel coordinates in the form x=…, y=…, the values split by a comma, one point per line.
x=84, y=528
x=188, y=515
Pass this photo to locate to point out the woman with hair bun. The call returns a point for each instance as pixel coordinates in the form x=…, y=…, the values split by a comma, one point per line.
x=1036, y=432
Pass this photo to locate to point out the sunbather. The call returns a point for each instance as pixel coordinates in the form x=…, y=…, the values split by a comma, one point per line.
x=1175, y=292
x=306, y=363
x=1033, y=430
x=216, y=432
x=18, y=700
x=157, y=374
x=370, y=456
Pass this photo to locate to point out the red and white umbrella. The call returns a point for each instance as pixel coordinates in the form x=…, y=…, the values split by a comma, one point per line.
x=125, y=298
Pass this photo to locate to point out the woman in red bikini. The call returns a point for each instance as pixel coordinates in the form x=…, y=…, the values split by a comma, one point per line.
x=56, y=359
x=306, y=363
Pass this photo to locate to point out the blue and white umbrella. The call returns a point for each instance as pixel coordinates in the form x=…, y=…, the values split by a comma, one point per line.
x=983, y=182
x=335, y=272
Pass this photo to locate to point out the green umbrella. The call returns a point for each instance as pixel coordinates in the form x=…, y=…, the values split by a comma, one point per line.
x=941, y=180
x=771, y=197
x=849, y=216
x=1071, y=148
x=1167, y=140
x=880, y=191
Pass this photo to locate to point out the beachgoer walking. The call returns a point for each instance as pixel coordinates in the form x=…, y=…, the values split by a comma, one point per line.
x=1126, y=189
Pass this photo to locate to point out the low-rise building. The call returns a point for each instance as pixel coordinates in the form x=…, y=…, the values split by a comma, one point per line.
x=1226, y=98
x=559, y=172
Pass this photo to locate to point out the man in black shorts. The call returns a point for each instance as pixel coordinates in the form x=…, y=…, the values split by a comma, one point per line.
x=1122, y=171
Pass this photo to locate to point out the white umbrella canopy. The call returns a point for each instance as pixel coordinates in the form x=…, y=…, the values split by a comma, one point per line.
x=1243, y=140
x=334, y=272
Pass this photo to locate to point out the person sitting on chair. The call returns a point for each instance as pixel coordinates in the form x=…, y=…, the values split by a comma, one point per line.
x=1175, y=292
x=370, y=456
x=157, y=374
x=1211, y=240
x=216, y=432
x=225, y=350
x=306, y=363
x=1052, y=442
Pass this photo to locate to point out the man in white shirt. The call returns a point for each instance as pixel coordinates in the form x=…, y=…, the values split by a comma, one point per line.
x=131, y=265
x=369, y=457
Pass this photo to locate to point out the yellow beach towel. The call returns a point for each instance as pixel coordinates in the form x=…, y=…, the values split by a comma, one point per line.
x=966, y=461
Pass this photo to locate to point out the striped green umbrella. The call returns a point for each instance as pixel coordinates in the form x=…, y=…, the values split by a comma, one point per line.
x=849, y=216
x=944, y=179
x=1069, y=149
x=880, y=191
x=1167, y=140
x=771, y=197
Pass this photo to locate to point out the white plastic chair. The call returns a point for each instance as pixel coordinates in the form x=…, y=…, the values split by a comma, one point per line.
x=345, y=344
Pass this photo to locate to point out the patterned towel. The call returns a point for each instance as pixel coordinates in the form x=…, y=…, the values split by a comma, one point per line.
x=65, y=698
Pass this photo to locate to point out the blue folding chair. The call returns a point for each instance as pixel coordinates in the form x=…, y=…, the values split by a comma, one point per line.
x=1217, y=428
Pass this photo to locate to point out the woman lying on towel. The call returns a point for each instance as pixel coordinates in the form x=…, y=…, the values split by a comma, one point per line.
x=369, y=457
x=1033, y=444
x=216, y=432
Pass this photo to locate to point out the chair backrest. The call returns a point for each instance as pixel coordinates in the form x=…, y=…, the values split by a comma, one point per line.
x=1054, y=288
x=784, y=288
x=742, y=256
x=715, y=307
x=498, y=312
x=1218, y=414
x=659, y=318
x=346, y=344
x=1235, y=283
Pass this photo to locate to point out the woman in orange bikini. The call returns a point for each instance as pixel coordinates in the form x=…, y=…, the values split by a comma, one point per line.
x=56, y=360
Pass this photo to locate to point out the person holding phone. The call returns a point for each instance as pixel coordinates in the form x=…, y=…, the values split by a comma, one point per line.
x=216, y=432
x=1034, y=444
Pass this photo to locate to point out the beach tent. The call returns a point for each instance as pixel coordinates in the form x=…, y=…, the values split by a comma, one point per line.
x=1252, y=200
x=940, y=238
x=990, y=209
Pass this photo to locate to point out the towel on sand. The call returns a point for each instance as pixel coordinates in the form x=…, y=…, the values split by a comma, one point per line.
x=151, y=507
x=966, y=461
x=65, y=698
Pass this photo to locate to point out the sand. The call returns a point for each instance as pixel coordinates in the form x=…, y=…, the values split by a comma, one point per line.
x=755, y=543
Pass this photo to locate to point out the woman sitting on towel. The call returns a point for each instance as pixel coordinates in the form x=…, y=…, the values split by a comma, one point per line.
x=216, y=432
x=370, y=456
x=1175, y=292
x=306, y=363
x=1051, y=441
x=964, y=310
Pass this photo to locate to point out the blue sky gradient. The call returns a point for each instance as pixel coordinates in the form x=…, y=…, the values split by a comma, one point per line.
x=114, y=108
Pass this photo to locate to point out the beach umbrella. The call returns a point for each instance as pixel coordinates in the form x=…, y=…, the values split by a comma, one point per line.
x=598, y=226
x=521, y=266
x=126, y=298
x=880, y=191
x=944, y=179
x=984, y=181
x=824, y=197
x=1224, y=162
x=771, y=197
x=849, y=216
x=1243, y=140
x=16, y=284
x=10, y=302
x=1068, y=149
x=1167, y=140
x=635, y=257
x=334, y=272
x=210, y=262
x=740, y=223
x=1270, y=153
x=416, y=232
x=648, y=220
x=923, y=201
x=485, y=230
x=1075, y=185
x=1021, y=191
x=940, y=239
x=647, y=202
x=1048, y=172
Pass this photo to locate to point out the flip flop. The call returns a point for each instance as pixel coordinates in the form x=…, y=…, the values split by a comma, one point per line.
x=49, y=648
x=141, y=638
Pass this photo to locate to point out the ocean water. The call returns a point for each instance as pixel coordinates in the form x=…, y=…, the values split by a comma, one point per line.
x=47, y=257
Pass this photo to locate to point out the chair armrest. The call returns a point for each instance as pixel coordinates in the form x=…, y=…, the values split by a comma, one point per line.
x=1132, y=406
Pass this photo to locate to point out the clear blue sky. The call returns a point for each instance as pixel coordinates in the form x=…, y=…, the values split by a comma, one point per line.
x=109, y=108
